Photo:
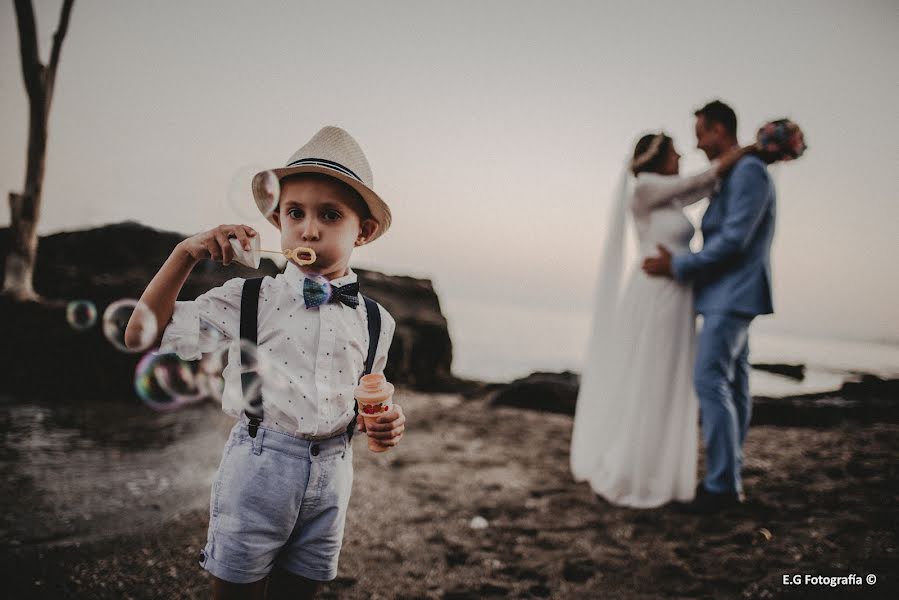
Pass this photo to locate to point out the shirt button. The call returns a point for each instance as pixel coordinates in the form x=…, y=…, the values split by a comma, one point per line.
x=315, y=450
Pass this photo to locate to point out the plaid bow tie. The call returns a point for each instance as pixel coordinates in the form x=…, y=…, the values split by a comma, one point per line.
x=316, y=294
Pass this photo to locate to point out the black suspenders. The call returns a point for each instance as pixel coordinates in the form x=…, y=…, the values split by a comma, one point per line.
x=374, y=332
x=249, y=329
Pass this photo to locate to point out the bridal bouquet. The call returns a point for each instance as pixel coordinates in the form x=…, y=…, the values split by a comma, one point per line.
x=781, y=140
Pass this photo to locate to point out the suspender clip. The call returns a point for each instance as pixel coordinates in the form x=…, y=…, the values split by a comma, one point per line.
x=253, y=426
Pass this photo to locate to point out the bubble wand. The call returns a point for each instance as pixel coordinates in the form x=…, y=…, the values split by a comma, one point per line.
x=266, y=191
x=301, y=254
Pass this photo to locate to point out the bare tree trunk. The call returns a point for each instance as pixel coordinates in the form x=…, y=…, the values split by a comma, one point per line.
x=25, y=207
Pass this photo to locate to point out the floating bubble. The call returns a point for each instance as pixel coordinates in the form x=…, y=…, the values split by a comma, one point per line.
x=240, y=192
x=251, y=377
x=178, y=378
x=116, y=318
x=81, y=314
x=317, y=289
x=266, y=191
x=211, y=387
x=210, y=377
x=273, y=375
x=211, y=337
x=148, y=386
x=256, y=370
x=213, y=363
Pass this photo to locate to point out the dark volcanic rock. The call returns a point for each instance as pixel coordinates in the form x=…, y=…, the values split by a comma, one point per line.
x=792, y=371
x=42, y=356
x=421, y=352
x=868, y=400
x=551, y=392
x=871, y=386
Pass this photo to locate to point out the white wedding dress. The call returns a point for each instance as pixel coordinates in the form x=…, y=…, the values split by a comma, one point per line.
x=635, y=427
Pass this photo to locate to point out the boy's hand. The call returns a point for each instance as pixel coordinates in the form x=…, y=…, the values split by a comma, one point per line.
x=214, y=243
x=388, y=429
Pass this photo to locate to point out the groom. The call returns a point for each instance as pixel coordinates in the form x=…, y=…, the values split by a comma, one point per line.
x=731, y=277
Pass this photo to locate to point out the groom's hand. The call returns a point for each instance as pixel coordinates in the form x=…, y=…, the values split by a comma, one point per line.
x=659, y=266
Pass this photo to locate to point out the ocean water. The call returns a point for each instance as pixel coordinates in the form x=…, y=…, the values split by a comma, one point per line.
x=503, y=343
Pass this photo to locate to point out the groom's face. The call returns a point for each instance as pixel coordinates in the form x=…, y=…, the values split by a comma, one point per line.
x=709, y=137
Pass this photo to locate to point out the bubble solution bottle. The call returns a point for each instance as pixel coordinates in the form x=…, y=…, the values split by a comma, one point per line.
x=375, y=397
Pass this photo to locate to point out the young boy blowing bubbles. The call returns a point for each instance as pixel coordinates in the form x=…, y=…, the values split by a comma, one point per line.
x=279, y=500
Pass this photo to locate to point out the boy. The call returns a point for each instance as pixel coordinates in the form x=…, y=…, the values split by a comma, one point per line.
x=279, y=499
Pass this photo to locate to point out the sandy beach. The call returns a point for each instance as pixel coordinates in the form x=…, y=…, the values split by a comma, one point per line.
x=478, y=506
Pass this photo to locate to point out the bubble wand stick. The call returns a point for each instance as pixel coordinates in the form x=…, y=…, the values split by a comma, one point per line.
x=301, y=255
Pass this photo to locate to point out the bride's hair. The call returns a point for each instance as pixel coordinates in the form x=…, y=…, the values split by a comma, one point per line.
x=650, y=153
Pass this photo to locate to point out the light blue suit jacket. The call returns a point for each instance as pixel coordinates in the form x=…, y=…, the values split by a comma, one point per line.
x=732, y=272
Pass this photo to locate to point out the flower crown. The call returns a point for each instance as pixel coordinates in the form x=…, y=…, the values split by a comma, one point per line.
x=650, y=153
x=782, y=139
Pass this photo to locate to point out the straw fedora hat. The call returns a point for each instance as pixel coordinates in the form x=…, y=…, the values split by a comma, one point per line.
x=333, y=152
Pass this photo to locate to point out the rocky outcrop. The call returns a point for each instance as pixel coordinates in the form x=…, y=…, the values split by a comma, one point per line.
x=550, y=392
x=867, y=399
x=796, y=372
x=42, y=356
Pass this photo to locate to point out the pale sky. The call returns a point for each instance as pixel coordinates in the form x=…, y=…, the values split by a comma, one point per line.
x=495, y=130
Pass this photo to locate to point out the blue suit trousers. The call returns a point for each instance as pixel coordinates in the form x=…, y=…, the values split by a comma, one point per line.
x=721, y=378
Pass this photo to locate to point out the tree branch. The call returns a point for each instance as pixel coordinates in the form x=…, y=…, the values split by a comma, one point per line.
x=31, y=64
x=59, y=36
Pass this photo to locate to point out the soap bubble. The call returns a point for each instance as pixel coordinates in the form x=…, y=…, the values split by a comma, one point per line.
x=256, y=370
x=210, y=377
x=178, y=378
x=166, y=382
x=116, y=318
x=147, y=382
x=321, y=292
x=266, y=191
x=81, y=314
x=240, y=192
x=251, y=377
x=211, y=387
x=273, y=374
x=211, y=337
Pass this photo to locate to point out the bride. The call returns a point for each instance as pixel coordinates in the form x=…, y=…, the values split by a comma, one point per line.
x=635, y=427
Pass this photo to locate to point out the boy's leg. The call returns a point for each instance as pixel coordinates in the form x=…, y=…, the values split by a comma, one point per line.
x=225, y=590
x=283, y=585
x=255, y=503
x=312, y=551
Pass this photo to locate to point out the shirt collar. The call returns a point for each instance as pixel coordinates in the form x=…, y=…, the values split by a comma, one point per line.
x=294, y=277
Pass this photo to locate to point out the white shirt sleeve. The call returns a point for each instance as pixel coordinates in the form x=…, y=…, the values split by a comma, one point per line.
x=388, y=327
x=652, y=189
x=203, y=325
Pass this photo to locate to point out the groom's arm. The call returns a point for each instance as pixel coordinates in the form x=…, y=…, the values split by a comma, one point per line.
x=749, y=185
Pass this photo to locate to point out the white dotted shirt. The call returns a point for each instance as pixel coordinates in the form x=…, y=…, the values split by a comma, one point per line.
x=320, y=352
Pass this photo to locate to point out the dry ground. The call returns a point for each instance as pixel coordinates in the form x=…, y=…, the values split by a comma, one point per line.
x=828, y=498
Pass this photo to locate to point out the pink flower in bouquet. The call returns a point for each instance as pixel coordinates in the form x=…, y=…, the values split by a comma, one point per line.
x=781, y=140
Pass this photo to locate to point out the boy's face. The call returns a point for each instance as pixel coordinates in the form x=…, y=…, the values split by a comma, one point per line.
x=323, y=214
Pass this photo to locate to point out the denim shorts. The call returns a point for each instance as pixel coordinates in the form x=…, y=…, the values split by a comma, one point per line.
x=278, y=500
